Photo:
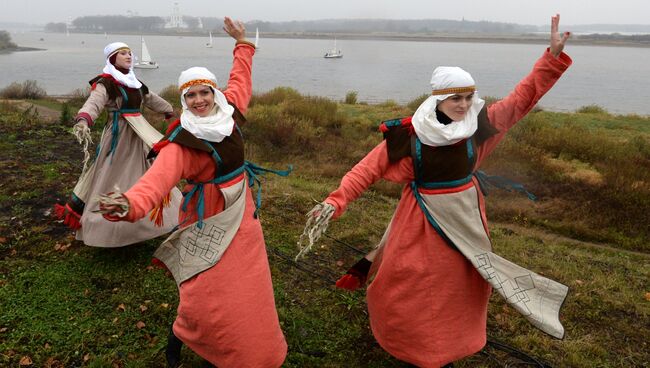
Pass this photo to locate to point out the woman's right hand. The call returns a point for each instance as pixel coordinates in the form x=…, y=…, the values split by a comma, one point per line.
x=235, y=29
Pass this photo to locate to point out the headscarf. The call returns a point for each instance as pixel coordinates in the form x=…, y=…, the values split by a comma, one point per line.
x=128, y=79
x=219, y=123
x=447, y=81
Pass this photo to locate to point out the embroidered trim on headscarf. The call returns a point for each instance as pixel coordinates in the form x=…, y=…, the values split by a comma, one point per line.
x=197, y=82
x=451, y=91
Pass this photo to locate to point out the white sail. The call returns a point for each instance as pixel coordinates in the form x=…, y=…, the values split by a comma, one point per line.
x=145, y=60
x=209, y=44
x=257, y=37
x=146, y=57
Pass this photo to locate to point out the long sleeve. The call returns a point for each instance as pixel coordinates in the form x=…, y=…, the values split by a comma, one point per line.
x=371, y=168
x=158, y=104
x=94, y=105
x=240, y=83
x=505, y=113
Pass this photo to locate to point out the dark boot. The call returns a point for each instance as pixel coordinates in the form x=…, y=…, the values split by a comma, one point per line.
x=206, y=364
x=173, y=351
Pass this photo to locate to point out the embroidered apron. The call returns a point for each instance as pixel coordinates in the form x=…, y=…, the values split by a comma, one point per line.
x=453, y=209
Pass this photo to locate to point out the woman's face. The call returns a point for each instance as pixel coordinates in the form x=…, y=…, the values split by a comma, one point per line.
x=456, y=106
x=200, y=100
x=123, y=59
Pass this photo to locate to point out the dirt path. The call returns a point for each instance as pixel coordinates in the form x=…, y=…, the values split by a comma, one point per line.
x=48, y=114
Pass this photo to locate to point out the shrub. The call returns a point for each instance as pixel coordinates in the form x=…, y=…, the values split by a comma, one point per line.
x=591, y=109
x=172, y=95
x=275, y=96
x=66, y=116
x=351, y=98
x=79, y=96
x=416, y=102
x=28, y=89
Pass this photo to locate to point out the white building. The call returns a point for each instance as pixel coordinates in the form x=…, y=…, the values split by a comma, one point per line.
x=176, y=19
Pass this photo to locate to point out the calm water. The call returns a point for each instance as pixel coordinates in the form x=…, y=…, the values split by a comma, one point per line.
x=613, y=77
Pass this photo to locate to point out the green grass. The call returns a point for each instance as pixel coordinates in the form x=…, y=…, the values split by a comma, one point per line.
x=64, y=304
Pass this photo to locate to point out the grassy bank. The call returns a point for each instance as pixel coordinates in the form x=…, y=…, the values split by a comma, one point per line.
x=64, y=304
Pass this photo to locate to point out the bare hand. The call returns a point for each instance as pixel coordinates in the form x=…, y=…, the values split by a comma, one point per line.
x=235, y=29
x=557, y=40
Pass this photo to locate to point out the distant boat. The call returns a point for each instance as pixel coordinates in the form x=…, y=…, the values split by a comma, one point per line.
x=257, y=37
x=105, y=35
x=209, y=44
x=334, y=53
x=145, y=62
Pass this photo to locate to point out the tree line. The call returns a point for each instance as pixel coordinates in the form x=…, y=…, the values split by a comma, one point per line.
x=118, y=23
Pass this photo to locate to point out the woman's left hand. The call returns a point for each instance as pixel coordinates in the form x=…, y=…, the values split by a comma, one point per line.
x=557, y=40
x=235, y=28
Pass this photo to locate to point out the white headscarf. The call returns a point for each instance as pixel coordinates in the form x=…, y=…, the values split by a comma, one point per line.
x=447, y=81
x=219, y=123
x=129, y=79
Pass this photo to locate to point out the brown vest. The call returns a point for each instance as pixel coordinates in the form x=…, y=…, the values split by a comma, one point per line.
x=438, y=164
x=131, y=97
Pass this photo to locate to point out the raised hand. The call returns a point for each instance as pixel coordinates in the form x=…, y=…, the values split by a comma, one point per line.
x=557, y=40
x=235, y=29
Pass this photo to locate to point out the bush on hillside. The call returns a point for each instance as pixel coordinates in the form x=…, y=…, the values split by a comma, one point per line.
x=28, y=89
x=172, y=95
x=591, y=109
x=351, y=98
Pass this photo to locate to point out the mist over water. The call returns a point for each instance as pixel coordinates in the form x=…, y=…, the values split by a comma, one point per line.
x=615, y=78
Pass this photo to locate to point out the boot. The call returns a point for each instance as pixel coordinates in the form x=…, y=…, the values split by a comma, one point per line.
x=173, y=350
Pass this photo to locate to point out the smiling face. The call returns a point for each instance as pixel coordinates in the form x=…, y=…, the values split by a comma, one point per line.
x=456, y=106
x=123, y=59
x=200, y=100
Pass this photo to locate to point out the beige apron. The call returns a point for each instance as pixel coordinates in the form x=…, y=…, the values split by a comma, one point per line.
x=192, y=250
x=536, y=297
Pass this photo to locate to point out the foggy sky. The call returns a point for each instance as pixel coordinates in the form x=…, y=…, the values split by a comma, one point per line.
x=536, y=12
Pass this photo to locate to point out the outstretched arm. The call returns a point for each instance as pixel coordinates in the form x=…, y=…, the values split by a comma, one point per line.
x=547, y=70
x=240, y=83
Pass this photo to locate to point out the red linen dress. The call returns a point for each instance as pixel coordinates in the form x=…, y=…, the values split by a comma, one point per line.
x=427, y=303
x=227, y=313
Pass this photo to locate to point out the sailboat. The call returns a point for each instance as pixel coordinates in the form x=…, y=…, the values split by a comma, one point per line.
x=209, y=44
x=257, y=38
x=145, y=62
x=333, y=53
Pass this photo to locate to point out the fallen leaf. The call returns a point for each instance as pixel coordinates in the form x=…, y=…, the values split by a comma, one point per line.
x=4, y=329
x=121, y=307
x=3, y=240
x=140, y=325
x=46, y=346
x=115, y=320
x=25, y=361
x=339, y=263
x=164, y=305
x=115, y=290
x=143, y=308
x=13, y=252
x=579, y=282
x=86, y=292
x=647, y=296
x=87, y=357
x=147, y=301
x=149, y=268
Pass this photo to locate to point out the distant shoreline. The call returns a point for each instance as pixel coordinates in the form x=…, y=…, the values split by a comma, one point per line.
x=584, y=40
x=19, y=48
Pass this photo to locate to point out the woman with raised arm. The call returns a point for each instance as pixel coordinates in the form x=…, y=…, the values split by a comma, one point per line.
x=121, y=156
x=434, y=269
x=226, y=312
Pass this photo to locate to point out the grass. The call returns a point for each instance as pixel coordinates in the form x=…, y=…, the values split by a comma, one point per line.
x=63, y=304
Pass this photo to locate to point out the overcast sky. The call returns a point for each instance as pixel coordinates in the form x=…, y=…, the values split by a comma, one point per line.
x=535, y=12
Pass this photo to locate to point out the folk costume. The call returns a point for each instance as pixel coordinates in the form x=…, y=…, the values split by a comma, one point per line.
x=218, y=256
x=121, y=159
x=434, y=269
